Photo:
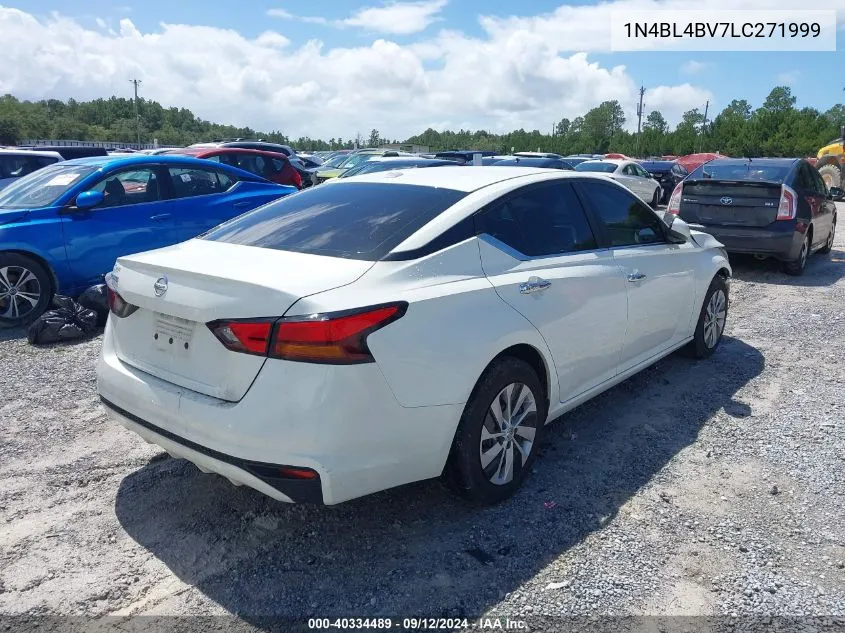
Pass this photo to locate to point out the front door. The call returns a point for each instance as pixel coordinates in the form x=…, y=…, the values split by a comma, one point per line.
x=658, y=275
x=133, y=217
x=540, y=253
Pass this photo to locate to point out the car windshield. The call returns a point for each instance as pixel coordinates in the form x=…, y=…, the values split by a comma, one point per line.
x=356, y=159
x=607, y=168
x=741, y=171
x=43, y=187
x=354, y=220
x=378, y=165
x=334, y=162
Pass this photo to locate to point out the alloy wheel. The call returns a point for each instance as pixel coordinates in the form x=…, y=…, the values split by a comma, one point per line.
x=714, y=318
x=20, y=292
x=507, y=437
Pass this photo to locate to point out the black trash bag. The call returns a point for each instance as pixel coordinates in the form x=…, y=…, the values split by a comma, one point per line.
x=96, y=298
x=67, y=321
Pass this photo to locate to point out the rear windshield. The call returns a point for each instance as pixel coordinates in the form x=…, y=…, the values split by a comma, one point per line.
x=355, y=220
x=741, y=171
x=602, y=167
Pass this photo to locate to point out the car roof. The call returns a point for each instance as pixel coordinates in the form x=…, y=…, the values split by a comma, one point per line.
x=764, y=162
x=460, y=178
x=30, y=152
x=205, y=151
x=138, y=159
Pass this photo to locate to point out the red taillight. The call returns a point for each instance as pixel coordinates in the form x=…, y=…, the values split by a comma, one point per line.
x=297, y=473
x=675, y=201
x=118, y=305
x=249, y=337
x=338, y=338
x=788, y=203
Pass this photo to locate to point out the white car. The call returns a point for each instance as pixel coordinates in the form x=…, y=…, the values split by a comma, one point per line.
x=400, y=325
x=16, y=163
x=630, y=174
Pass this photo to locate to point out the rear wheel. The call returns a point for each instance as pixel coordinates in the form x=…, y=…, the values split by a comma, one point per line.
x=831, y=174
x=499, y=432
x=828, y=246
x=798, y=266
x=25, y=290
x=711, y=320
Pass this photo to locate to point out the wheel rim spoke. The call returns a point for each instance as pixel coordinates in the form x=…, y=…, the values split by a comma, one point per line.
x=490, y=454
x=497, y=413
x=25, y=277
x=4, y=278
x=29, y=296
x=11, y=310
x=504, y=474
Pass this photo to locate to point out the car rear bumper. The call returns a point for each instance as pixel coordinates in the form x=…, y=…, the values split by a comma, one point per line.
x=342, y=422
x=783, y=243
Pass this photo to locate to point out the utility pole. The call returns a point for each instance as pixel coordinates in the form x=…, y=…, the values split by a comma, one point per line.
x=639, y=118
x=135, y=82
x=703, y=125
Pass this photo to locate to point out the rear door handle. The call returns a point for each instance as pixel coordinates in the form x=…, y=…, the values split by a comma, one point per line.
x=636, y=276
x=534, y=284
x=160, y=217
x=241, y=205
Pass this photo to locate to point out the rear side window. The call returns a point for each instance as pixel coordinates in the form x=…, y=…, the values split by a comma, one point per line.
x=541, y=221
x=345, y=219
x=628, y=221
x=190, y=182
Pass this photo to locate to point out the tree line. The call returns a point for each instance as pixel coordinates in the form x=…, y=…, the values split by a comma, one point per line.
x=777, y=128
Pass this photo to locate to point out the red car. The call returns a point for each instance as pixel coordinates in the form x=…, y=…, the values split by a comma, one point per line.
x=273, y=166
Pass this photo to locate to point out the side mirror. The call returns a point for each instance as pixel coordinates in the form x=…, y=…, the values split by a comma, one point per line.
x=679, y=231
x=835, y=192
x=89, y=199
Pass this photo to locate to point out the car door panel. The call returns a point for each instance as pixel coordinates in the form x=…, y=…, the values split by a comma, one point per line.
x=130, y=223
x=539, y=252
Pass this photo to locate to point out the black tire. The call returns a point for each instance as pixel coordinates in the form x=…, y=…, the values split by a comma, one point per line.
x=831, y=174
x=14, y=311
x=798, y=266
x=701, y=345
x=828, y=246
x=655, y=199
x=464, y=470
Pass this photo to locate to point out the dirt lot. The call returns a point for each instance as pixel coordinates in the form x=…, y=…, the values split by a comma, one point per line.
x=694, y=488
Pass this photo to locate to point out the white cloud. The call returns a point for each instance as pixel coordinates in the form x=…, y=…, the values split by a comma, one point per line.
x=519, y=72
x=693, y=67
x=101, y=23
x=788, y=78
x=399, y=18
x=393, y=18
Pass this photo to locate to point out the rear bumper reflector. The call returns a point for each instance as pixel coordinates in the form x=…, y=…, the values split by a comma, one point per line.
x=302, y=485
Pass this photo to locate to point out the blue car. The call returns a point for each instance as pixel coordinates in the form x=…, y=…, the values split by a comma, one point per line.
x=63, y=226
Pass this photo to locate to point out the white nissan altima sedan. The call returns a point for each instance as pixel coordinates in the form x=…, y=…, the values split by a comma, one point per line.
x=402, y=325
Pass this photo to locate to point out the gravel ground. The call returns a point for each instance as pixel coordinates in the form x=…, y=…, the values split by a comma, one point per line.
x=694, y=488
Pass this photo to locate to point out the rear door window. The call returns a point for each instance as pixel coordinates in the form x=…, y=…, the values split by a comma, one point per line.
x=345, y=219
x=191, y=181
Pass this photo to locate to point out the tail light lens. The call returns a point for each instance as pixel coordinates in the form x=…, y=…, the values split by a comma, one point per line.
x=337, y=338
x=675, y=201
x=788, y=203
x=118, y=306
x=248, y=337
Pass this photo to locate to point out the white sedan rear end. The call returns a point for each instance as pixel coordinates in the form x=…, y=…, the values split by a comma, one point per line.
x=400, y=325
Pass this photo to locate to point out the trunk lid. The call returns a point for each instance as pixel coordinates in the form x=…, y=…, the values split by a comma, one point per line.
x=167, y=336
x=730, y=202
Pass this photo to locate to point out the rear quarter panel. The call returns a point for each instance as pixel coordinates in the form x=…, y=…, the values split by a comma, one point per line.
x=455, y=325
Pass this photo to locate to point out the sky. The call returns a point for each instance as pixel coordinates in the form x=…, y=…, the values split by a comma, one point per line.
x=334, y=69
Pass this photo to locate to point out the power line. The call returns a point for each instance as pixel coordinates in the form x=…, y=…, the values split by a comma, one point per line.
x=135, y=82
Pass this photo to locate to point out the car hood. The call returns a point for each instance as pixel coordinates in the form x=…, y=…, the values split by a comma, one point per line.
x=7, y=216
x=329, y=173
